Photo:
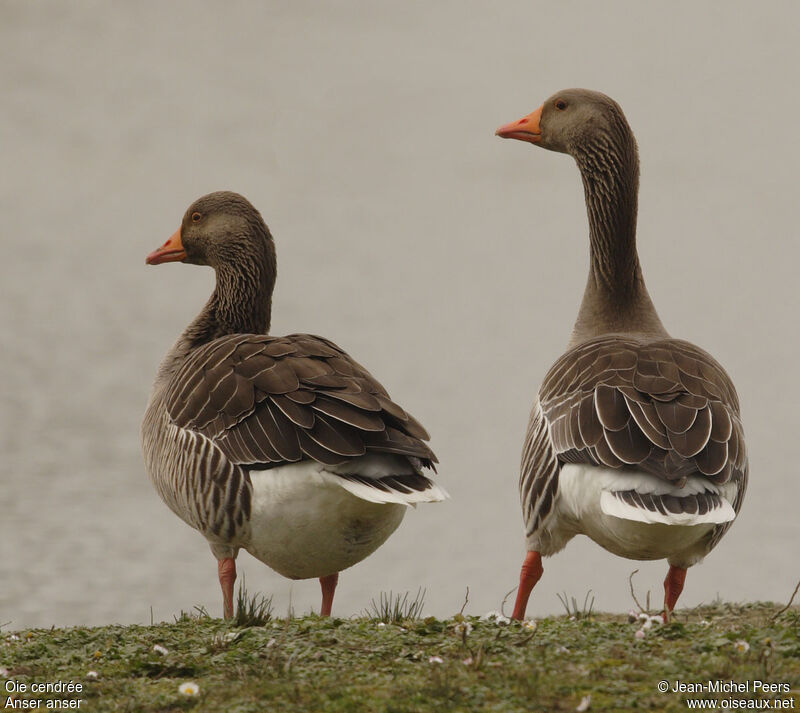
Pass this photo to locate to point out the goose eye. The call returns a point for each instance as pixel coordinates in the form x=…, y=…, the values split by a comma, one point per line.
x=196, y=217
x=561, y=104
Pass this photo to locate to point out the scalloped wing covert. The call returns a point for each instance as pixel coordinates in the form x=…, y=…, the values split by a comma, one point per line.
x=666, y=407
x=269, y=400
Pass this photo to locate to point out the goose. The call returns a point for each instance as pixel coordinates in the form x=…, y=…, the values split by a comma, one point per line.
x=283, y=446
x=635, y=439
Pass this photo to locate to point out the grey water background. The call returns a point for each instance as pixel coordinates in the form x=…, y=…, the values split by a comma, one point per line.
x=448, y=262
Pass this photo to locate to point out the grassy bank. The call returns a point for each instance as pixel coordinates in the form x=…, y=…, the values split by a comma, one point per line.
x=459, y=664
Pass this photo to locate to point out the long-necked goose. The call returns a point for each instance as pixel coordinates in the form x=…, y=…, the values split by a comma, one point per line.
x=635, y=439
x=283, y=446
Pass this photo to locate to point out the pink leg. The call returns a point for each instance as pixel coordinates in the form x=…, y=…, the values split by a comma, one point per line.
x=673, y=586
x=529, y=574
x=227, y=576
x=328, y=584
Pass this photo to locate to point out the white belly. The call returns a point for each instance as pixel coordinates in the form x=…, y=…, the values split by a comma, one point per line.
x=581, y=491
x=305, y=525
x=649, y=541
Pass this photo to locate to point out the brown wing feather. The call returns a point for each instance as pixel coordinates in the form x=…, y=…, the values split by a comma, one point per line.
x=270, y=400
x=313, y=450
x=336, y=436
x=393, y=440
x=346, y=413
x=295, y=412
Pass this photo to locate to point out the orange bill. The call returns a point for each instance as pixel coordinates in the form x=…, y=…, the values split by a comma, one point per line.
x=524, y=129
x=171, y=251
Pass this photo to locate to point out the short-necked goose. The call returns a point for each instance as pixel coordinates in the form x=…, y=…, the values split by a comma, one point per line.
x=635, y=439
x=282, y=446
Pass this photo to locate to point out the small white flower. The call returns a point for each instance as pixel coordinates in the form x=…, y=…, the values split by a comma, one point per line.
x=584, y=704
x=529, y=625
x=643, y=616
x=467, y=661
x=639, y=634
x=703, y=622
x=92, y=675
x=13, y=637
x=496, y=617
x=159, y=649
x=742, y=646
x=3, y=672
x=632, y=616
x=220, y=639
x=562, y=649
x=189, y=689
x=657, y=619
x=435, y=659
x=381, y=624
x=463, y=627
x=646, y=624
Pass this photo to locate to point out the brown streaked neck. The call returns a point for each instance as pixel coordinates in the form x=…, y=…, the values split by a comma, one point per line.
x=240, y=304
x=615, y=298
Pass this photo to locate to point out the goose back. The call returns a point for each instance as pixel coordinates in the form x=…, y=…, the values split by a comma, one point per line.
x=271, y=400
x=664, y=407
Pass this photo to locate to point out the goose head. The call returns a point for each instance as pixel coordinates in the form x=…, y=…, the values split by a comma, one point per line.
x=570, y=122
x=220, y=229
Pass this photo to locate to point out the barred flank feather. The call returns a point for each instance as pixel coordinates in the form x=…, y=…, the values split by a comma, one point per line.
x=538, y=481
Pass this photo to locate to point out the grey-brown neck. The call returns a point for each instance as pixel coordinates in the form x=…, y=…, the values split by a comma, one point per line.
x=615, y=299
x=240, y=304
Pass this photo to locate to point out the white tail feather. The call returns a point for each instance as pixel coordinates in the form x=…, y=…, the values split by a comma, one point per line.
x=433, y=494
x=374, y=466
x=610, y=504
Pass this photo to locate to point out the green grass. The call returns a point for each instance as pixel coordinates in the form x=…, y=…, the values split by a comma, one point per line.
x=253, y=610
x=395, y=609
x=360, y=665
